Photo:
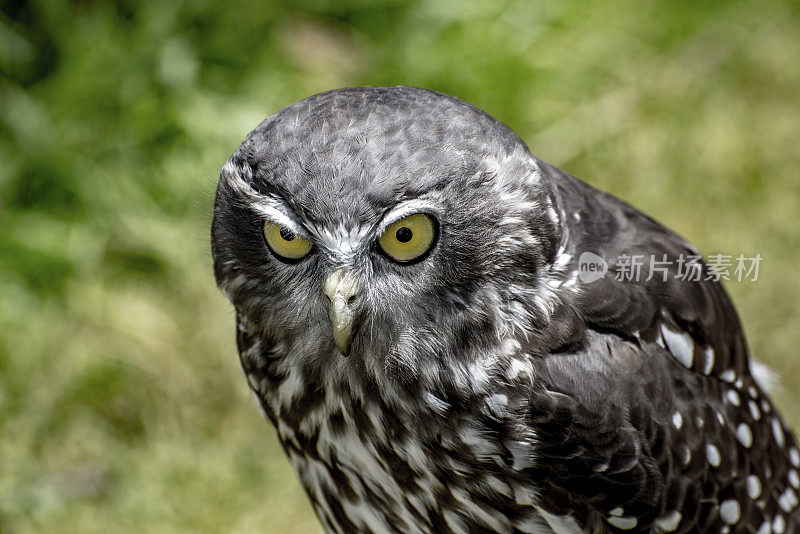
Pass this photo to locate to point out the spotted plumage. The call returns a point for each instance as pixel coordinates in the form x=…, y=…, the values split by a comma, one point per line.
x=472, y=380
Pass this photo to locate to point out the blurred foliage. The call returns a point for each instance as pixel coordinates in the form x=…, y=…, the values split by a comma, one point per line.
x=122, y=407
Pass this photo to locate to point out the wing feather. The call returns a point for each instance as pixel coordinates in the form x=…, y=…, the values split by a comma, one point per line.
x=641, y=410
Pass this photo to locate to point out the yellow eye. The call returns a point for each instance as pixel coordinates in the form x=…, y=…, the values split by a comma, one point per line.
x=409, y=239
x=284, y=243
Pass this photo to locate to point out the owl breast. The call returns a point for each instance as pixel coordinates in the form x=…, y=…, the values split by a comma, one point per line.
x=369, y=467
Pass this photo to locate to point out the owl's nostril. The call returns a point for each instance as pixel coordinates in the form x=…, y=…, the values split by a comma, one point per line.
x=342, y=289
x=349, y=299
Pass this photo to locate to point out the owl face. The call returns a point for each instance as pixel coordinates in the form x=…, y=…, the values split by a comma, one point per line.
x=386, y=225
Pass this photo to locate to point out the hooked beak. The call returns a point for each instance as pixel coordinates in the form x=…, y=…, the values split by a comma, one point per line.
x=343, y=291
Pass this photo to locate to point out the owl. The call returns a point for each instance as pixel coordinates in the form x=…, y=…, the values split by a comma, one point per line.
x=416, y=318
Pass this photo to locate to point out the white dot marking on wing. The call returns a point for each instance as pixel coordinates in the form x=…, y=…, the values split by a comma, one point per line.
x=754, y=411
x=787, y=500
x=777, y=431
x=744, y=435
x=794, y=478
x=728, y=376
x=623, y=523
x=709, y=363
x=677, y=420
x=794, y=456
x=713, y=456
x=753, y=487
x=670, y=521
x=730, y=511
x=680, y=346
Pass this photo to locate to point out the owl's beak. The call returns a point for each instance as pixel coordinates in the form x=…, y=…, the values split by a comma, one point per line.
x=343, y=291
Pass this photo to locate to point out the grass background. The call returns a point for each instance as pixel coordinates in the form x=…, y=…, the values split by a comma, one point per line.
x=122, y=406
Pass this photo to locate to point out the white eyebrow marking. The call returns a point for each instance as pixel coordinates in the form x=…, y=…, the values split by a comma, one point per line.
x=404, y=209
x=274, y=211
x=268, y=206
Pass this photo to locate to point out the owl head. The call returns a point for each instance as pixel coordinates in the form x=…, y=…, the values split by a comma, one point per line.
x=390, y=229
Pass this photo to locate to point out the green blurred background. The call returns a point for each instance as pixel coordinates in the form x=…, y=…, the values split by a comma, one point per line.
x=122, y=406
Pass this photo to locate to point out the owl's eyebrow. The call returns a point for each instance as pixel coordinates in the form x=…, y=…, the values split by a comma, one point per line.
x=404, y=209
x=276, y=210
